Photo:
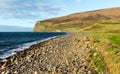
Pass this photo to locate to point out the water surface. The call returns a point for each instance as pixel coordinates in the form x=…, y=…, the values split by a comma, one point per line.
x=11, y=42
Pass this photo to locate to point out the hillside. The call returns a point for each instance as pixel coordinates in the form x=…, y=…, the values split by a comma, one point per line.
x=78, y=21
x=102, y=27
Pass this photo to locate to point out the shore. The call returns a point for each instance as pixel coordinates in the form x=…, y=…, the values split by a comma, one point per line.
x=60, y=55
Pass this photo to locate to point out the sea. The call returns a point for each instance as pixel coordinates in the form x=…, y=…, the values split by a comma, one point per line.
x=12, y=42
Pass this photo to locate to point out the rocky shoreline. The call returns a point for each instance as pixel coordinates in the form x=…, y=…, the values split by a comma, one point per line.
x=60, y=55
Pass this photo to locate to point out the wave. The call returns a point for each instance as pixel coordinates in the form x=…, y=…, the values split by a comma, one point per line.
x=22, y=47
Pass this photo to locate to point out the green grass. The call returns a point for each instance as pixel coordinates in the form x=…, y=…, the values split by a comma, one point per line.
x=115, y=38
x=97, y=61
x=114, y=45
x=109, y=22
x=62, y=26
x=108, y=26
x=108, y=44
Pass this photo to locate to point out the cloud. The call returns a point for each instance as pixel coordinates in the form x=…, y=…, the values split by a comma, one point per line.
x=26, y=9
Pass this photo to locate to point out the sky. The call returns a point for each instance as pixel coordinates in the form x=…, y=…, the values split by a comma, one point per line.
x=25, y=13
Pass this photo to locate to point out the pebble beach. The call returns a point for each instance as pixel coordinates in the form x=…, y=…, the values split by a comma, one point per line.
x=61, y=55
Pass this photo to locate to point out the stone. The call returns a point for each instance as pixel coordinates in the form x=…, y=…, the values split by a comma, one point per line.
x=35, y=72
x=95, y=54
x=4, y=60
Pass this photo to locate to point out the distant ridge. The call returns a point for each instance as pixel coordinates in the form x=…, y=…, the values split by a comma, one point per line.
x=5, y=28
x=78, y=20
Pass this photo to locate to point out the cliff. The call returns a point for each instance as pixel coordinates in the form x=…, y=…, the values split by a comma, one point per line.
x=77, y=21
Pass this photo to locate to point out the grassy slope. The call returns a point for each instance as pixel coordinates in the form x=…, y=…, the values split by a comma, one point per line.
x=105, y=26
x=115, y=38
x=77, y=21
x=105, y=36
x=108, y=49
x=103, y=31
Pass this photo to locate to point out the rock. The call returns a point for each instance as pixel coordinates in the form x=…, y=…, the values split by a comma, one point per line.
x=61, y=55
x=35, y=72
x=95, y=54
x=4, y=60
x=89, y=72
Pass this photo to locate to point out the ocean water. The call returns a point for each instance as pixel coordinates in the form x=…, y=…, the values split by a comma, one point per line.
x=12, y=42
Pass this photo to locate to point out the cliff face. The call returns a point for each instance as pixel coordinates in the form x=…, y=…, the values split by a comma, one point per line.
x=77, y=21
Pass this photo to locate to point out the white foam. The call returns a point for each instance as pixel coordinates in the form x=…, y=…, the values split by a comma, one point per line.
x=23, y=47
